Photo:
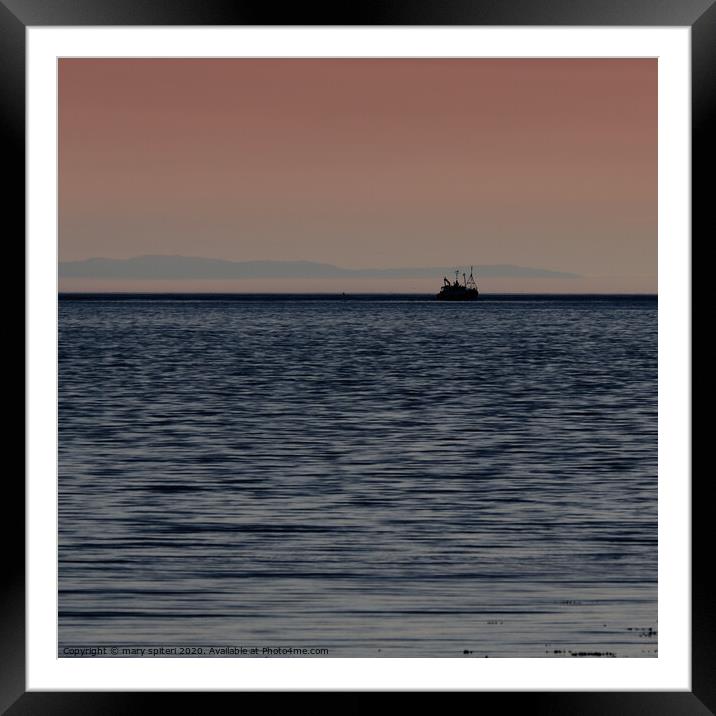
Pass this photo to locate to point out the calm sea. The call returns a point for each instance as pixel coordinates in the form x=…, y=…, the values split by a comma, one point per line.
x=373, y=476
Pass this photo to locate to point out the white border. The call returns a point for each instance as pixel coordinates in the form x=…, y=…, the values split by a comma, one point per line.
x=671, y=670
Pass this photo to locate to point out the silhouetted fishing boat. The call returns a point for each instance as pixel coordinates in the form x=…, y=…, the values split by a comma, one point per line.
x=465, y=291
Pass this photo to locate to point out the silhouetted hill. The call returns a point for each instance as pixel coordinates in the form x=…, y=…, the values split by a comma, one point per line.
x=191, y=267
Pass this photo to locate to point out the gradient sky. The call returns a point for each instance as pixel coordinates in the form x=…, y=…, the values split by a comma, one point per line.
x=363, y=163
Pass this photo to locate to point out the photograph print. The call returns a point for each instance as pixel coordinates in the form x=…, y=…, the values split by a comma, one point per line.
x=357, y=358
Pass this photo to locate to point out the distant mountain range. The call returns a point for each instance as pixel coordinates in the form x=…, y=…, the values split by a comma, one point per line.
x=191, y=267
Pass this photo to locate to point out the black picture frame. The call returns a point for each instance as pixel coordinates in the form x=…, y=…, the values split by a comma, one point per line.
x=17, y=15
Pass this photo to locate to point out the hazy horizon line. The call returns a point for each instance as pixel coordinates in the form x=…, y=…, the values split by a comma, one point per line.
x=347, y=295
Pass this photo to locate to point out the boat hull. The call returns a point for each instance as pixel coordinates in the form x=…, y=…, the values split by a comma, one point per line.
x=457, y=296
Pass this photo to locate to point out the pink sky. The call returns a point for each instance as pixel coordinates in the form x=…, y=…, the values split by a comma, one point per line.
x=363, y=163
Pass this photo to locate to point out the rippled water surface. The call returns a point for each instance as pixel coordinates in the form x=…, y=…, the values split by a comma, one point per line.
x=372, y=477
